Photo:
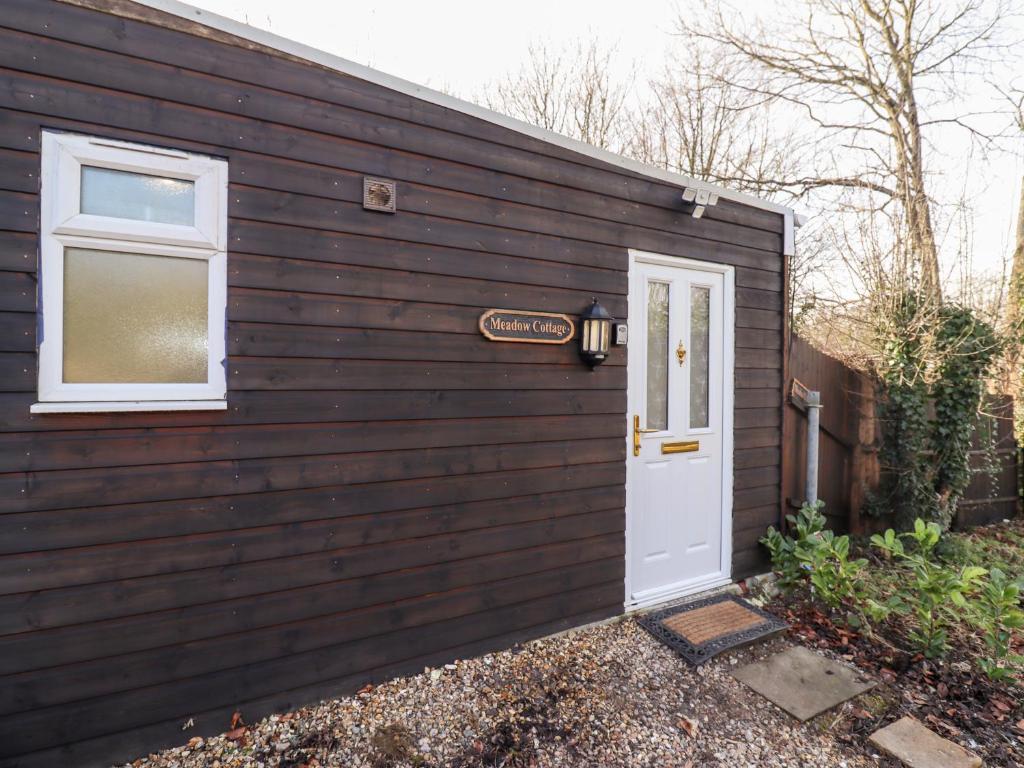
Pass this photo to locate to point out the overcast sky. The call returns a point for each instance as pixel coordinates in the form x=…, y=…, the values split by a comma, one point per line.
x=461, y=46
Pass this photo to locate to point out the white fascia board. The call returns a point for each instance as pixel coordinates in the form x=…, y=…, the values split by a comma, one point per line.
x=352, y=69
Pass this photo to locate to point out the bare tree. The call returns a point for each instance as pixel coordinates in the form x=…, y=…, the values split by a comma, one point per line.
x=698, y=122
x=866, y=247
x=598, y=101
x=1013, y=365
x=1015, y=305
x=571, y=91
x=859, y=70
x=537, y=93
x=690, y=119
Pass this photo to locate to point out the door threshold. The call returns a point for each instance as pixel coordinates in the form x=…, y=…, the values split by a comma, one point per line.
x=671, y=593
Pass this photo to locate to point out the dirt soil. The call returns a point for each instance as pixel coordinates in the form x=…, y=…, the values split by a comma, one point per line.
x=950, y=695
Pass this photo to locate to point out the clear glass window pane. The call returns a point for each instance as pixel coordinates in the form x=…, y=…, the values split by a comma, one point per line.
x=700, y=316
x=657, y=355
x=134, y=318
x=125, y=195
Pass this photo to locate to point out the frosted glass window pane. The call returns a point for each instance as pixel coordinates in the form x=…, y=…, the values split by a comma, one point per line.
x=657, y=355
x=125, y=195
x=700, y=315
x=133, y=318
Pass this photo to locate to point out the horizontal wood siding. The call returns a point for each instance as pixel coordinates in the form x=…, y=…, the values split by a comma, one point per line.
x=386, y=489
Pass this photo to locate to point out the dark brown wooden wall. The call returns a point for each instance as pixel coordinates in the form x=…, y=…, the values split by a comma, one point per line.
x=386, y=489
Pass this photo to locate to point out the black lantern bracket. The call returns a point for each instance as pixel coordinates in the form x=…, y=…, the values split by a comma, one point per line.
x=595, y=334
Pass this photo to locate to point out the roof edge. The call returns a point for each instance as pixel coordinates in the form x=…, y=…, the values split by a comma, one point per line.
x=307, y=53
x=317, y=56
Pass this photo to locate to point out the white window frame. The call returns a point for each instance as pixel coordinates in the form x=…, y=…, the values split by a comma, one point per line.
x=63, y=225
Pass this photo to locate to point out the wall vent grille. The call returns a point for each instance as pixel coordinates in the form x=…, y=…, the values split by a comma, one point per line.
x=379, y=195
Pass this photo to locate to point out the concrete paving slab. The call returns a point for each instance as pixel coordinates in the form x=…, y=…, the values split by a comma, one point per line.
x=919, y=747
x=802, y=682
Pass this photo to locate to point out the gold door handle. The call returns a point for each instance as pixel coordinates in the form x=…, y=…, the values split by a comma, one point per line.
x=636, y=434
x=681, y=352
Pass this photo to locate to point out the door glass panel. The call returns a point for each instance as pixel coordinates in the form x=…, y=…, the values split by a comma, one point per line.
x=134, y=318
x=125, y=195
x=700, y=315
x=657, y=355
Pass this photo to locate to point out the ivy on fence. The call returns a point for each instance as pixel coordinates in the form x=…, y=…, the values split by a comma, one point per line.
x=932, y=374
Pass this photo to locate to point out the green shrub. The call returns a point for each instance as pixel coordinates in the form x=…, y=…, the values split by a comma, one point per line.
x=936, y=595
x=818, y=556
x=939, y=592
x=997, y=614
x=790, y=556
x=835, y=578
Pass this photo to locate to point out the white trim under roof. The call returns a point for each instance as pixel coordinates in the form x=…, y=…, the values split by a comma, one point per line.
x=351, y=68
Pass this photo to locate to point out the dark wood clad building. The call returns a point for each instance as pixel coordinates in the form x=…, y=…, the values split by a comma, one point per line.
x=254, y=448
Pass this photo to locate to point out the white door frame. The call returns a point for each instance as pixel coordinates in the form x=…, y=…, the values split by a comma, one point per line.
x=729, y=384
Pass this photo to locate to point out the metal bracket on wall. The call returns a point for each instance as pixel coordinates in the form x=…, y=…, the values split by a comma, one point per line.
x=701, y=199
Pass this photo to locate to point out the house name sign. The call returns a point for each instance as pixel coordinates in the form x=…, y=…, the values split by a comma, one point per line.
x=528, y=327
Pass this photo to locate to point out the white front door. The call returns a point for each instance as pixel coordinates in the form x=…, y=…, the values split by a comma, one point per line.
x=679, y=430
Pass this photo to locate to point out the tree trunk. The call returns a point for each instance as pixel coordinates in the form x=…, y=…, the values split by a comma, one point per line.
x=1015, y=302
x=923, y=239
x=919, y=211
x=1015, y=321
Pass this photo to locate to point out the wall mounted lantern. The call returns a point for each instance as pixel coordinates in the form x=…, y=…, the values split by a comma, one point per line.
x=595, y=334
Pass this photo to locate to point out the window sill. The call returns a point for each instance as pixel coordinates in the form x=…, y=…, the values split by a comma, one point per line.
x=138, y=405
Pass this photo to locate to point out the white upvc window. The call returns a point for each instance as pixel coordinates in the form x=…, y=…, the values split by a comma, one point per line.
x=133, y=277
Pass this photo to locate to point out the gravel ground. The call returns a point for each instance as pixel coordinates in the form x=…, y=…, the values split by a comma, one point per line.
x=606, y=695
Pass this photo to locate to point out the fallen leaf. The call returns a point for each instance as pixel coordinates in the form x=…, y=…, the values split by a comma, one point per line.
x=365, y=689
x=938, y=723
x=860, y=714
x=235, y=734
x=688, y=725
x=915, y=698
x=942, y=689
x=1020, y=725
x=236, y=720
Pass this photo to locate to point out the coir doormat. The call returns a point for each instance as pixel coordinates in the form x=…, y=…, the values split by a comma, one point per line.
x=702, y=629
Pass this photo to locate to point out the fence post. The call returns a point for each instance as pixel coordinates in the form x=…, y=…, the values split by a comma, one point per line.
x=864, y=469
x=813, y=401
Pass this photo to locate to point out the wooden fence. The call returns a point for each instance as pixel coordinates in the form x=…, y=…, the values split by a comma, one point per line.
x=848, y=465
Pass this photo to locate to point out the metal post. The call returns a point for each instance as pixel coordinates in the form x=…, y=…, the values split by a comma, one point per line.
x=813, y=400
